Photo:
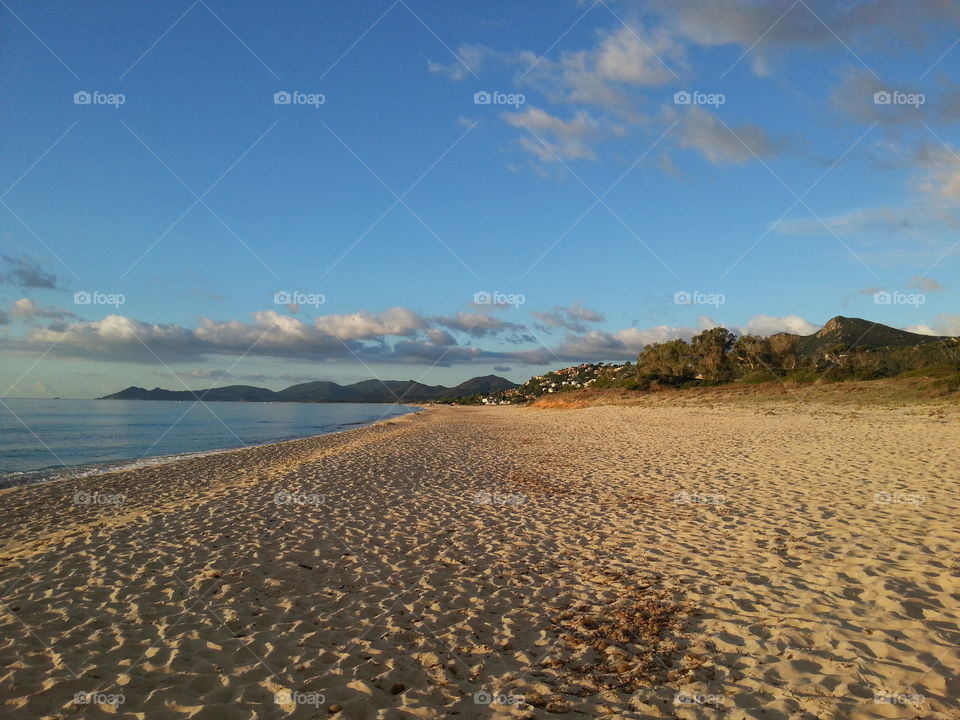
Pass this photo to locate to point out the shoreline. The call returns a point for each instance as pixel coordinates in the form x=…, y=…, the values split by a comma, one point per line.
x=608, y=561
x=89, y=470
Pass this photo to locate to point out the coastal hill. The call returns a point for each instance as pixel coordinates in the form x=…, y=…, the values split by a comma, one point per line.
x=844, y=349
x=324, y=391
x=858, y=333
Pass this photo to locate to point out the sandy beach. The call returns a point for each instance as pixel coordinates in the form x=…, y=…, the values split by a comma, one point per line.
x=771, y=561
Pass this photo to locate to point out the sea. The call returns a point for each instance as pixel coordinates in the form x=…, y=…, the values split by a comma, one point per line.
x=49, y=439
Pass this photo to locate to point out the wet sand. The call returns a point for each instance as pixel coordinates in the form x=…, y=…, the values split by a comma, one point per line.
x=635, y=562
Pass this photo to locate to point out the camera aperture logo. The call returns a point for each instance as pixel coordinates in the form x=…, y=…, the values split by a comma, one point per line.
x=484, y=697
x=283, y=97
x=85, y=497
x=695, y=97
x=895, y=97
x=99, y=698
x=95, y=97
x=499, y=299
x=899, y=498
x=497, y=498
x=83, y=297
x=686, y=498
x=883, y=297
x=881, y=697
x=297, y=298
x=288, y=498
x=682, y=297
x=483, y=97
x=296, y=697
x=688, y=698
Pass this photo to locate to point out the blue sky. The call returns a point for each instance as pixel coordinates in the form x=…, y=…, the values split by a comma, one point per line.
x=189, y=207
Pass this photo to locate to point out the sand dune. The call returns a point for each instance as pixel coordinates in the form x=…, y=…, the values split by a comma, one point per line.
x=623, y=562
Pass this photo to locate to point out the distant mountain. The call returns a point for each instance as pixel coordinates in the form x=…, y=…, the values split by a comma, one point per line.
x=324, y=391
x=231, y=393
x=856, y=333
x=477, y=385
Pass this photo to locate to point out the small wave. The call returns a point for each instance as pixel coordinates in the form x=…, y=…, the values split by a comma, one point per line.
x=64, y=472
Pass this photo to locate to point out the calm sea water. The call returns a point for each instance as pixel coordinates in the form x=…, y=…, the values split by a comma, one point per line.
x=46, y=439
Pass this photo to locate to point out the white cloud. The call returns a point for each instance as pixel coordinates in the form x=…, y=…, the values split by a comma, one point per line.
x=855, y=96
x=940, y=174
x=27, y=309
x=766, y=29
x=623, y=57
x=581, y=313
x=476, y=324
x=440, y=337
x=469, y=61
x=622, y=345
x=574, y=317
x=26, y=273
x=926, y=284
x=358, y=326
x=724, y=144
x=364, y=334
x=946, y=324
x=764, y=325
x=394, y=336
x=930, y=219
x=551, y=138
x=924, y=223
x=601, y=75
x=115, y=335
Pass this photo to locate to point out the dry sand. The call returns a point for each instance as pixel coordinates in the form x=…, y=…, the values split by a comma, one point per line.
x=632, y=562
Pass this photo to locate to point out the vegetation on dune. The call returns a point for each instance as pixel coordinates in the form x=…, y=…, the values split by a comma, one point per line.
x=844, y=349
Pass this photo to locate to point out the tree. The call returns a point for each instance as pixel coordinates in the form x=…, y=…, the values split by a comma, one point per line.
x=673, y=358
x=783, y=349
x=751, y=353
x=710, y=349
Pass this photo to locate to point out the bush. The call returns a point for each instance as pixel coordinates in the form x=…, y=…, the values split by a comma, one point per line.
x=950, y=384
x=759, y=376
x=932, y=371
x=803, y=377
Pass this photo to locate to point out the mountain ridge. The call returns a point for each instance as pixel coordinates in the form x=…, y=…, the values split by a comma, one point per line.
x=322, y=391
x=857, y=333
